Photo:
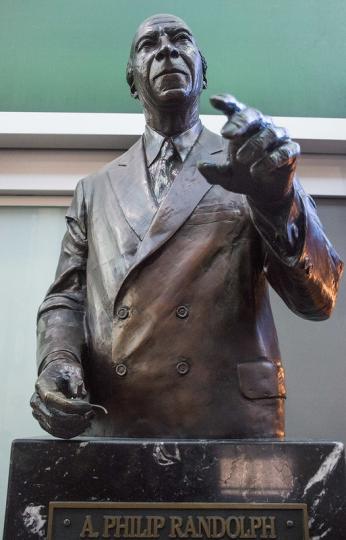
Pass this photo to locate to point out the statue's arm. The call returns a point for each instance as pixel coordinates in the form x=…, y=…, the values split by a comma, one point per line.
x=60, y=401
x=300, y=262
x=60, y=320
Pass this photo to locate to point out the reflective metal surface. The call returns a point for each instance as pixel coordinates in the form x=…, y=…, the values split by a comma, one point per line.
x=161, y=314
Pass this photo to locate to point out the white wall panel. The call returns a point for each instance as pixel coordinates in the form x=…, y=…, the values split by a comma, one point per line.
x=56, y=172
x=119, y=130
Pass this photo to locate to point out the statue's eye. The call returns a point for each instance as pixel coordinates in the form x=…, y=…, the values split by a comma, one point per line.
x=182, y=36
x=146, y=44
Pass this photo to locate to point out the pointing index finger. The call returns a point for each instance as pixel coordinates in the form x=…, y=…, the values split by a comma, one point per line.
x=227, y=104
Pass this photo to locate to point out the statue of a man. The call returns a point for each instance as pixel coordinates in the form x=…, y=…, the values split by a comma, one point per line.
x=159, y=311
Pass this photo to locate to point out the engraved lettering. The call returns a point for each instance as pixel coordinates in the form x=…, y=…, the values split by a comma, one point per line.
x=233, y=527
x=132, y=524
x=155, y=524
x=88, y=529
x=190, y=529
x=218, y=527
x=137, y=526
x=255, y=524
x=122, y=527
x=175, y=530
x=203, y=527
x=108, y=524
x=268, y=527
x=244, y=533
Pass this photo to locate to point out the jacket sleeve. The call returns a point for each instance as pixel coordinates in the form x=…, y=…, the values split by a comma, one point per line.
x=60, y=320
x=300, y=263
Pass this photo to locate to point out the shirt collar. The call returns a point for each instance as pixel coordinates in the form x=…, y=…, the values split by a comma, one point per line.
x=183, y=142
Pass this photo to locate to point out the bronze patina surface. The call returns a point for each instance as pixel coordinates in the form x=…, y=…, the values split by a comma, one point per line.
x=160, y=311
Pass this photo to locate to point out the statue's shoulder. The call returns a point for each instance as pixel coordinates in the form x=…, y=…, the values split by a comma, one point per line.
x=212, y=143
x=96, y=180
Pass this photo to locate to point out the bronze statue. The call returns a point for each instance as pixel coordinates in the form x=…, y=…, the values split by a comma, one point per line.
x=160, y=311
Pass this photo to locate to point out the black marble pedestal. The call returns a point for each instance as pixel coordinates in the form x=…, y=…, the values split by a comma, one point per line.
x=185, y=471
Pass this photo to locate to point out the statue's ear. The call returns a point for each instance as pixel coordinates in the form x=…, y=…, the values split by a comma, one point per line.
x=204, y=70
x=133, y=91
x=130, y=80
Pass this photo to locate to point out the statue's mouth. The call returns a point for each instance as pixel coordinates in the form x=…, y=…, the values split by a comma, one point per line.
x=171, y=71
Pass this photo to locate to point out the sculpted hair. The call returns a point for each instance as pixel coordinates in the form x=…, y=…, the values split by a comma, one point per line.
x=130, y=81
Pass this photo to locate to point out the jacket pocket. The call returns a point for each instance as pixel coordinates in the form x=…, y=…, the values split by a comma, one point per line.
x=261, y=379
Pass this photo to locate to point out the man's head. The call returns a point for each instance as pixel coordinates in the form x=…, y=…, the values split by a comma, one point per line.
x=165, y=67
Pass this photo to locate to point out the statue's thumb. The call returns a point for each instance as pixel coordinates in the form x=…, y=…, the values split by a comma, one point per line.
x=77, y=388
x=215, y=173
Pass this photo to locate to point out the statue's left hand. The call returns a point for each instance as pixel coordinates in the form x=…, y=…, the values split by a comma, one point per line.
x=262, y=158
x=60, y=402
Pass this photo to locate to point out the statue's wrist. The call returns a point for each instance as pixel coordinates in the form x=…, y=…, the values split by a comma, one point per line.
x=58, y=356
x=275, y=202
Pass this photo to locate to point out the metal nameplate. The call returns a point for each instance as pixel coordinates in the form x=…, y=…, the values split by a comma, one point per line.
x=173, y=521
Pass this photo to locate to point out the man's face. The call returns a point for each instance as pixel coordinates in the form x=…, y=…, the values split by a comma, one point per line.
x=167, y=65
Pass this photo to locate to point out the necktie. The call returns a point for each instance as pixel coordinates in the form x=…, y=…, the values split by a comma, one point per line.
x=168, y=166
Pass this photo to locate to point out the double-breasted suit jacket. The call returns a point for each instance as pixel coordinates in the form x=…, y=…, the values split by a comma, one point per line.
x=167, y=308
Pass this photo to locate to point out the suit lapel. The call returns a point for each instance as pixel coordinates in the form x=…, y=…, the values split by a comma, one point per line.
x=128, y=178
x=185, y=193
x=154, y=226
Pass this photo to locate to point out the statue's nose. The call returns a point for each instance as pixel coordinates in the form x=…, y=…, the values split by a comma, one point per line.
x=167, y=50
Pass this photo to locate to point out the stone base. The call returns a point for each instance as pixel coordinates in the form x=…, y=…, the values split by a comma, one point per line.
x=43, y=471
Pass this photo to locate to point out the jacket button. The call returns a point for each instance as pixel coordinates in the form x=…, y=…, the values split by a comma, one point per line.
x=123, y=312
x=182, y=312
x=183, y=367
x=121, y=370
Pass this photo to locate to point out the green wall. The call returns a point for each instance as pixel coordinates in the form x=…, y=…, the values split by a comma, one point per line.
x=286, y=57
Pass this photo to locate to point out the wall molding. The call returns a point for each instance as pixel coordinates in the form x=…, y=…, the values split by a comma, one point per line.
x=30, y=177
x=119, y=131
x=35, y=200
x=43, y=155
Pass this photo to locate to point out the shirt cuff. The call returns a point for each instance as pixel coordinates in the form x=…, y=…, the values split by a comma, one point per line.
x=57, y=355
x=282, y=227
